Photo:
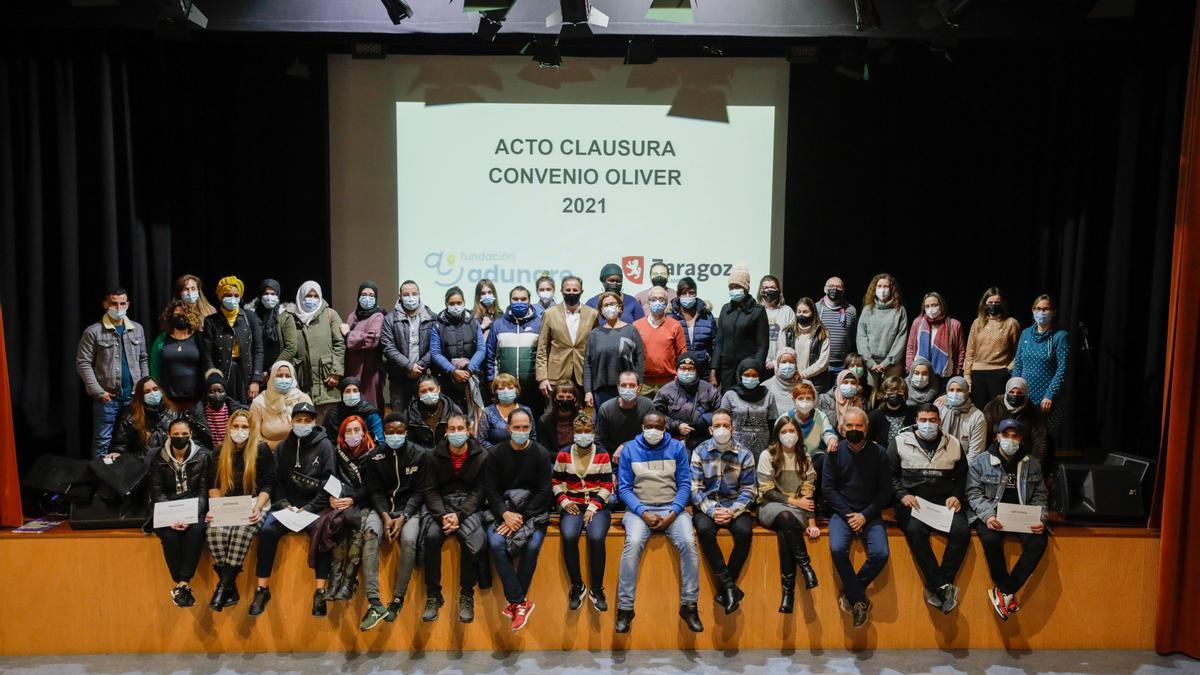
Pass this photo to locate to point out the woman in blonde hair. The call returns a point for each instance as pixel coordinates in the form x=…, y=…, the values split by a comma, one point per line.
x=271, y=411
x=244, y=466
x=190, y=289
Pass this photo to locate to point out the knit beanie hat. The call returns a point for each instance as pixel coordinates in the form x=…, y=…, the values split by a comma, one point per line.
x=740, y=276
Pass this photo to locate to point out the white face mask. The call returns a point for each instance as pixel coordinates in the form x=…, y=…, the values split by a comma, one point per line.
x=546, y=296
x=882, y=293
x=788, y=439
x=611, y=312
x=270, y=301
x=239, y=436
x=932, y=312
x=722, y=435
x=804, y=406
x=919, y=381
x=653, y=436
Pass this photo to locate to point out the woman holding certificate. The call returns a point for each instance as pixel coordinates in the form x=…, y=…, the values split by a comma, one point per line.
x=179, y=490
x=240, y=485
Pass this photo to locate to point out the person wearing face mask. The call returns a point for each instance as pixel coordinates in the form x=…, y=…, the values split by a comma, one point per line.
x=753, y=407
x=931, y=465
x=856, y=481
x=487, y=306
x=662, y=338
x=808, y=337
x=364, y=354
x=1016, y=403
x=556, y=427
x=688, y=402
x=563, y=339
x=619, y=420
x=742, y=333
x=454, y=499
x=321, y=352
x=244, y=466
x=457, y=348
x=699, y=324
x=545, y=294
x=882, y=330
x=353, y=403
x=961, y=419
x=278, y=327
x=855, y=363
x=1043, y=355
x=110, y=358
x=840, y=319
x=779, y=314
x=612, y=347
x=893, y=412
x=724, y=488
x=190, y=289
x=142, y=428
x=991, y=348
x=611, y=280
x=582, y=483
x=340, y=530
x=512, y=348
x=429, y=413
x=407, y=332
x=304, y=461
x=175, y=360
x=845, y=395
x=787, y=375
x=215, y=408
x=654, y=481
x=231, y=343
x=517, y=491
x=1007, y=473
x=659, y=278
x=393, y=481
x=271, y=411
x=787, y=489
x=180, y=470
x=937, y=337
x=816, y=431
x=924, y=386
x=493, y=421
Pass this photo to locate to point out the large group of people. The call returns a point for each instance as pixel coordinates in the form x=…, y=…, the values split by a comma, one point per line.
x=489, y=425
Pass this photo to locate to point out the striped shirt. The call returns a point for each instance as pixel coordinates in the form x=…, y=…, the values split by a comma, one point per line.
x=840, y=323
x=592, y=487
x=217, y=419
x=723, y=478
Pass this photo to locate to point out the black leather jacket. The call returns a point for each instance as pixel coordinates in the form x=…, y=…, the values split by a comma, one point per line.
x=196, y=471
x=127, y=438
x=217, y=340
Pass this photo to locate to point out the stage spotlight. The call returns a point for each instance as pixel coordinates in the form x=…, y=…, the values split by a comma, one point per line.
x=641, y=52
x=678, y=11
x=546, y=54
x=397, y=10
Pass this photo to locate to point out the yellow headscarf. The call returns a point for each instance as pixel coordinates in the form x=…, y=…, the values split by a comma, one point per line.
x=225, y=285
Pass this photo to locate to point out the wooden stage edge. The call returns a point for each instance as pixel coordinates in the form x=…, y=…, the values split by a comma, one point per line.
x=68, y=592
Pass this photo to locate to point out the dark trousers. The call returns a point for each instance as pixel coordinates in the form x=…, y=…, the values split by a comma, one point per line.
x=874, y=538
x=742, y=529
x=597, y=530
x=986, y=385
x=182, y=548
x=268, y=541
x=468, y=569
x=402, y=391
x=515, y=578
x=789, y=536
x=1033, y=547
x=918, y=533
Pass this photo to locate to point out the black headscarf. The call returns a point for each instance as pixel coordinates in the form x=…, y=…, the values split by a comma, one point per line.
x=267, y=314
x=750, y=395
x=364, y=314
x=687, y=357
x=333, y=419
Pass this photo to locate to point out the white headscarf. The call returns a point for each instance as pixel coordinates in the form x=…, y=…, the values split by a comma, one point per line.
x=307, y=317
x=277, y=402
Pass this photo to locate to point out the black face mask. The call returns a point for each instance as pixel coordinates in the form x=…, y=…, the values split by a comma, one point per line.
x=855, y=436
x=1015, y=400
x=565, y=403
x=895, y=400
x=771, y=294
x=216, y=400
x=991, y=309
x=661, y=282
x=571, y=299
x=612, y=287
x=833, y=294
x=180, y=322
x=804, y=321
x=180, y=442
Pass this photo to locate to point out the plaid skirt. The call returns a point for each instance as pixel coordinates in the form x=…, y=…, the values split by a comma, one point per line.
x=229, y=545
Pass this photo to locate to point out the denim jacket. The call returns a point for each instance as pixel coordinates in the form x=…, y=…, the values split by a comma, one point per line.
x=98, y=359
x=984, y=477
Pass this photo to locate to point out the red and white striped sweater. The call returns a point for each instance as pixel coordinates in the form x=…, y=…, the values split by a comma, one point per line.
x=592, y=488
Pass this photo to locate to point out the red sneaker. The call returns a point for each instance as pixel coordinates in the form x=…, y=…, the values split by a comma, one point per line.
x=1012, y=605
x=508, y=610
x=521, y=612
x=999, y=602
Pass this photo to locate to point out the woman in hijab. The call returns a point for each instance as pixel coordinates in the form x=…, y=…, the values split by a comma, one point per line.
x=271, y=410
x=923, y=385
x=846, y=393
x=278, y=329
x=961, y=419
x=353, y=404
x=320, y=347
x=232, y=343
x=364, y=356
x=753, y=407
x=787, y=375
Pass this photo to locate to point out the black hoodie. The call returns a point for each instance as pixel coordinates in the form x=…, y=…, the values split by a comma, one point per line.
x=303, y=465
x=394, y=480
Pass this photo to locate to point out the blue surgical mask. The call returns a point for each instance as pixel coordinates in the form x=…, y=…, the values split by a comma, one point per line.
x=189, y=297
x=688, y=301
x=352, y=399
x=394, y=441
x=116, y=314
x=367, y=302
x=520, y=437
x=955, y=398
x=431, y=398
x=927, y=430
x=1041, y=318
x=506, y=395
x=848, y=390
x=519, y=308
x=270, y=301
x=310, y=304
x=230, y=302
x=787, y=370
x=455, y=310
x=1009, y=446
x=283, y=384
x=584, y=440
x=749, y=382
x=657, y=306
x=302, y=429
x=152, y=398
x=737, y=294
x=686, y=376
x=487, y=299
x=457, y=438
x=410, y=302
x=627, y=394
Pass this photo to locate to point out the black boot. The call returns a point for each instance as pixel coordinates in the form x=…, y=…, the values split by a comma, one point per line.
x=691, y=616
x=624, y=619
x=229, y=580
x=262, y=595
x=218, y=598
x=319, y=608
x=803, y=562
x=787, y=598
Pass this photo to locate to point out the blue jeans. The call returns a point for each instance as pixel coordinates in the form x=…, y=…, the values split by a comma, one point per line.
x=874, y=537
x=104, y=415
x=683, y=538
x=597, y=529
x=515, y=580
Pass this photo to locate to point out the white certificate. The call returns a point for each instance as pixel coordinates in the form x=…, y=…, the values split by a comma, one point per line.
x=1017, y=518
x=295, y=520
x=185, y=511
x=227, y=511
x=934, y=515
x=333, y=486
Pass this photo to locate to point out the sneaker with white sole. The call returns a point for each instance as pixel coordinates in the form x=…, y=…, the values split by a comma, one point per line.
x=521, y=612
x=999, y=602
x=949, y=597
x=1010, y=603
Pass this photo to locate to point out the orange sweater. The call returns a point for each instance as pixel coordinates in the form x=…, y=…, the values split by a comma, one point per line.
x=663, y=346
